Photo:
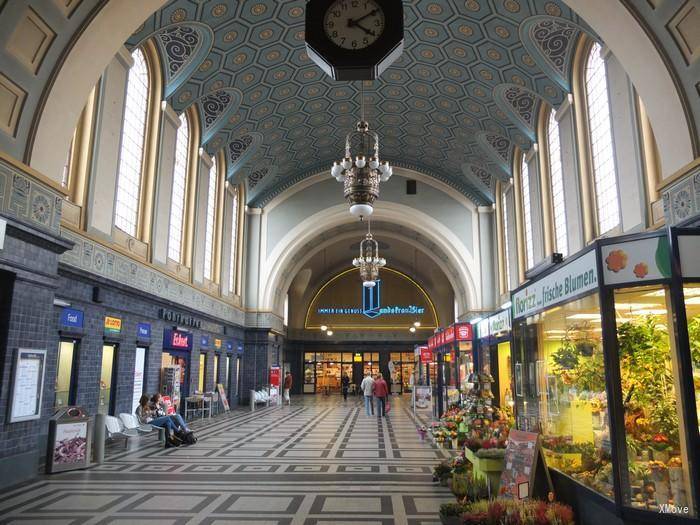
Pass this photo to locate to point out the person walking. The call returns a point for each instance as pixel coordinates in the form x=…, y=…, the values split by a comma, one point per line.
x=381, y=392
x=287, y=387
x=367, y=387
x=345, y=385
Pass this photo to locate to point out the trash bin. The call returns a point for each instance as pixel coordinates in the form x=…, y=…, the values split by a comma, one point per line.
x=70, y=440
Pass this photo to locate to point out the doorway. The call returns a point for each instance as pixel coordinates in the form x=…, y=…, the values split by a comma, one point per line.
x=108, y=372
x=176, y=386
x=65, y=391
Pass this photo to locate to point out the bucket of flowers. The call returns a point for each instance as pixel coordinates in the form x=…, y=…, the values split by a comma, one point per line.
x=422, y=432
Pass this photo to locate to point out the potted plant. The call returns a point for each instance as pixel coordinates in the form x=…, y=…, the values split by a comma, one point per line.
x=661, y=447
x=451, y=513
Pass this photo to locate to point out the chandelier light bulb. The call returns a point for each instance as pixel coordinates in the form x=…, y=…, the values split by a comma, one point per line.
x=373, y=163
x=369, y=284
x=416, y=324
x=346, y=163
x=324, y=328
x=360, y=161
x=412, y=329
x=329, y=333
x=336, y=170
x=361, y=210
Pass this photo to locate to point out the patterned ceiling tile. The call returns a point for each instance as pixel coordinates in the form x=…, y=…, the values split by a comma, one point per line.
x=215, y=109
x=521, y=104
x=434, y=109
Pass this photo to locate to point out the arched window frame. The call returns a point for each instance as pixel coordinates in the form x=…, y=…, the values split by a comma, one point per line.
x=179, y=192
x=215, y=215
x=137, y=245
x=595, y=223
x=234, y=228
x=526, y=196
x=553, y=180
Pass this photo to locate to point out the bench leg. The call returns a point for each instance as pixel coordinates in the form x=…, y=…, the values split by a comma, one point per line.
x=161, y=435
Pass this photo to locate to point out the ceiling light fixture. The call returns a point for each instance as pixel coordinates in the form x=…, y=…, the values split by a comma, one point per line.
x=369, y=261
x=362, y=174
x=416, y=324
x=324, y=328
x=412, y=329
x=329, y=333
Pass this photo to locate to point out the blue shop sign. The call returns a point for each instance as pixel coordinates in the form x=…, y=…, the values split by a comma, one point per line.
x=229, y=346
x=240, y=349
x=72, y=318
x=204, y=341
x=143, y=330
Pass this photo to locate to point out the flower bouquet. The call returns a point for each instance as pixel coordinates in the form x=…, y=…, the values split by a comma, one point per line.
x=422, y=432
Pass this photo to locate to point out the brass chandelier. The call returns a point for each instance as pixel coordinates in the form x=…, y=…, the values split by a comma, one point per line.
x=362, y=174
x=369, y=260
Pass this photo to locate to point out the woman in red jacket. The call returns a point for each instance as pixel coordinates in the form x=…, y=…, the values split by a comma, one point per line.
x=380, y=391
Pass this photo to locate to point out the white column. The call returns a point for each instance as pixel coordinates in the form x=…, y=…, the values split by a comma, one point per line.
x=253, y=257
x=164, y=184
x=103, y=175
x=200, y=218
x=569, y=166
x=630, y=172
x=488, y=260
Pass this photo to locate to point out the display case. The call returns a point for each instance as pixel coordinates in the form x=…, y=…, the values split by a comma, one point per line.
x=605, y=361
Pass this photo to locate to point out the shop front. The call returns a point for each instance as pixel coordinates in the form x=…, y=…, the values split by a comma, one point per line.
x=605, y=365
x=493, y=355
x=71, y=326
x=176, y=362
x=453, y=364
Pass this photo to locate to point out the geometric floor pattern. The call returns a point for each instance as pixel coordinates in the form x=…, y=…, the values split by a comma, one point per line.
x=321, y=461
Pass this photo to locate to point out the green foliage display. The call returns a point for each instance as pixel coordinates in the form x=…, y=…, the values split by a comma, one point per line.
x=694, y=337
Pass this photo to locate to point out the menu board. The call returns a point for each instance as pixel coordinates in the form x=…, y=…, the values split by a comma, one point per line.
x=522, y=459
x=27, y=384
x=222, y=396
x=139, y=366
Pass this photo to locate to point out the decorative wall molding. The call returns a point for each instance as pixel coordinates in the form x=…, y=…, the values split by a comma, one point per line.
x=214, y=110
x=681, y=197
x=97, y=259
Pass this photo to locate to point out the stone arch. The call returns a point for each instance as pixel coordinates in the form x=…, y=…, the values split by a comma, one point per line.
x=288, y=255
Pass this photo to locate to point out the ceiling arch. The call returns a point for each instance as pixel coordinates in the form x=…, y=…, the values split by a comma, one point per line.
x=429, y=108
x=522, y=105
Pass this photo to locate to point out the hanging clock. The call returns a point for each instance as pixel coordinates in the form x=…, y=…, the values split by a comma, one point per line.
x=354, y=39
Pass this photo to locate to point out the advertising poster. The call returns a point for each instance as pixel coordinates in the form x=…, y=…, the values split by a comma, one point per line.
x=423, y=396
x=27, y=386
x=138, y=377
x=275, y=374
x=222, y=396
x=71, y=443
x=452, y=395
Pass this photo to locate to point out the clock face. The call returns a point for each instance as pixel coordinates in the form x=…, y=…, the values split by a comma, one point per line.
x=354, y=24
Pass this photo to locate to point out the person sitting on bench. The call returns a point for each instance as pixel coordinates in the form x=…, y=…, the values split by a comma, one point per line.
x=159, y=410
x=148, y=417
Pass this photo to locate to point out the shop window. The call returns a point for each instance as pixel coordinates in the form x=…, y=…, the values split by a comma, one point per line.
x=527, y=213
x=202, y=371
x=65, y=387
x=132, y=146
x=211, y=217
x=557, y=183
x=658, y=471
x=691, y=294
x=559, y=381
x=601, y=141
x=107, y=370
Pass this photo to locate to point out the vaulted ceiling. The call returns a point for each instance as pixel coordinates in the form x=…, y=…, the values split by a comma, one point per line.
x=466, y=90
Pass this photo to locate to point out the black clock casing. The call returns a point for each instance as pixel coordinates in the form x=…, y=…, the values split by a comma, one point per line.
x=350, y=64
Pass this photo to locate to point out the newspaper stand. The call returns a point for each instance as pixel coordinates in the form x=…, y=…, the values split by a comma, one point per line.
x=70, y=440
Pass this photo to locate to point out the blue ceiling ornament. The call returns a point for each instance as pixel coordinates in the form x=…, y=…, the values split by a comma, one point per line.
x=182, y=48
x=215, y=109
x=260, y=175
x=521, y=104
x=551, y=41
x=482, y=178
x=239, y=151
x=499, y=148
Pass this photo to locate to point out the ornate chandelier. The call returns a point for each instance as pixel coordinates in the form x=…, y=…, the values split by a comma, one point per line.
x=369, y=261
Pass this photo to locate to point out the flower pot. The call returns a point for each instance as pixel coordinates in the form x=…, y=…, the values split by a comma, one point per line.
x=455, y=443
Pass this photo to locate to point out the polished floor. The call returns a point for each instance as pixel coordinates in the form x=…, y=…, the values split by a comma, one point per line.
x=319, y=462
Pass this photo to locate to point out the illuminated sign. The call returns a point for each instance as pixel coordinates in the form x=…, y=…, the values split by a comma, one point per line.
x=371, y=306
x=143, y=331
x=217, y=343
x=72, y=318
x=357, y=358
x=177, y=339
x=464, y=331
x=113, y=325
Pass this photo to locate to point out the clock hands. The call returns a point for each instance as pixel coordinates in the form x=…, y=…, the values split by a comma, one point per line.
x=356, y=23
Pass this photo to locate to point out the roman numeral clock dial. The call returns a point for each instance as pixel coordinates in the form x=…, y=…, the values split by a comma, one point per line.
x=354, y=24
x=354, y=39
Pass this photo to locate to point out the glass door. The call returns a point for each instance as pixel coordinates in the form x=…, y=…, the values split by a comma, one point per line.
x=109, y=354
x=65, y=377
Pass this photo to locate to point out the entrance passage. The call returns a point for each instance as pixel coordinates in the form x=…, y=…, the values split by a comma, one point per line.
x=320, y=460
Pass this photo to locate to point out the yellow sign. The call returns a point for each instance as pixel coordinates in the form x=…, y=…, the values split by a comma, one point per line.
x=357, y=358
x=113, y=325
x=217, y=343
x=448, y=358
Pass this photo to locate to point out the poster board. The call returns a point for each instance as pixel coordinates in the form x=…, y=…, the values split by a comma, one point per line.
x=28, y=372
x=524, y=470
x=222, y=396
x=139, y=367
x=423, y=396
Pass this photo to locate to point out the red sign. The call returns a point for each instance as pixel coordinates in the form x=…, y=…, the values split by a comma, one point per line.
x=449, y=334
x=426, y=355
x=275, y=376
x=177, y=340
x=465, y=331
x=441, y=338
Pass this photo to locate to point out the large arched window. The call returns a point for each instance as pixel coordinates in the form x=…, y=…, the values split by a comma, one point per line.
x=177, y=202
x=527, y=212
x=211, y=218
x=506, y=243
x=604, y=172
x=234, y=240
x=556, y=178
x=132, y=145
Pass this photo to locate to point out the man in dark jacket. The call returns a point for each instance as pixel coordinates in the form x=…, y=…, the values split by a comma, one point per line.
x=381, y=392
x=287, y=387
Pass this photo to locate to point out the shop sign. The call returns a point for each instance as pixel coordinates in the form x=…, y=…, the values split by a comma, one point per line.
x=113, y=325
x=426, y=355
x=464, y=331
x=577, y=277
x=217, y=343
x=240, y=349
x=72, y=318
x=357, y=358
x=499, y=323
x=482, y=328
x=204, y=341
x=177, y=339
x=229, y=346
x=637, y=261
x=275, y=376
x=180, y=319
x=448, y=357
x=143, y=330
x=688, y=250
x=449, y=334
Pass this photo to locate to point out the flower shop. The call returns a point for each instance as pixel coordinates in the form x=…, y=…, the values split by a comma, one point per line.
x=605, y=368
